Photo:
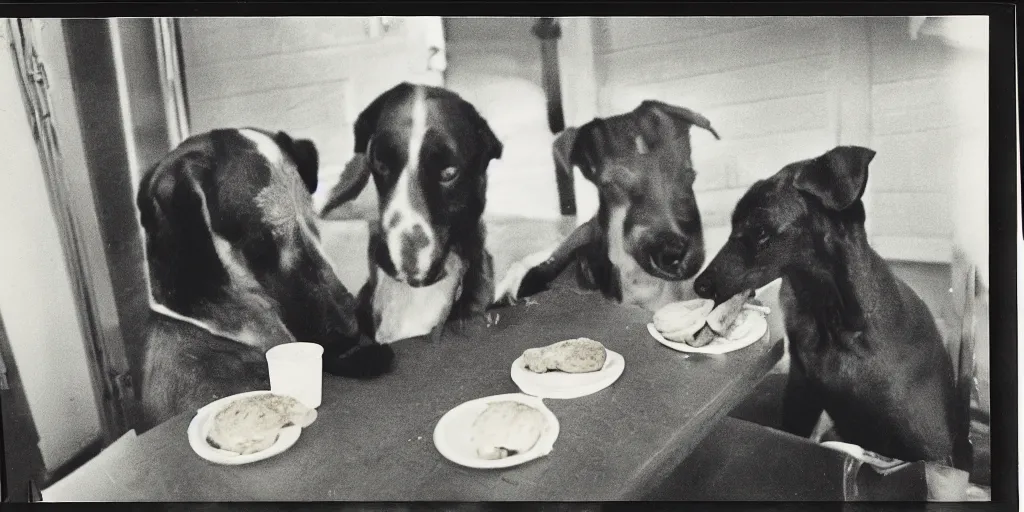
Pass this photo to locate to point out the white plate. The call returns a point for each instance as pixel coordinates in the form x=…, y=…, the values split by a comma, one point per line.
x=452, y=433
x=743, y=336
x=563, y=385
x=200, y=427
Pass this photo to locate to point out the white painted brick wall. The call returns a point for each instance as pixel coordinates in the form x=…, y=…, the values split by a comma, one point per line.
x=765, y=84
x=771, y=88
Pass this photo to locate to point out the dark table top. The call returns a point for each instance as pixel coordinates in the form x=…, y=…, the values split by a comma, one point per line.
x=372, y=440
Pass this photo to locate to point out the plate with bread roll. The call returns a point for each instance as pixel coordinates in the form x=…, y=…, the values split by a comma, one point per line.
x=497, y=431
x=248, y=427
x=570, y=368
x=699, y=326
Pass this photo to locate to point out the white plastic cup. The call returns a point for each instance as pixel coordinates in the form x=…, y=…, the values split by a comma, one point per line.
x=296, y=370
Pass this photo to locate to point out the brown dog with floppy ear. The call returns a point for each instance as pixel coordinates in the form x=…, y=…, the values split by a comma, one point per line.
x=646, y=241
x=427, y=151
x=236, y=267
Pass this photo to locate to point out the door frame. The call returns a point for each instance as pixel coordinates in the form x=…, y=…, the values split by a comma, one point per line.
x=167, y=32
x=46, y=69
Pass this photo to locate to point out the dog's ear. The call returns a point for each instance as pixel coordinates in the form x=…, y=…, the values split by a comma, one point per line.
x=305, y=155
x=366, y=122
x=587, y=145
x=183, y=263
x=838, y=177
x=679, y=119
x=490, y=147
x=351, y=183
x=493, y=148
x=561, y=149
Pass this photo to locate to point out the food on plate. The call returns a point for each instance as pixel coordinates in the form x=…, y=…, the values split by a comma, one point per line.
x=721, y=320
x=753, y=304
x=505, y=429
x=698, y=322
x=252, y=424
x=580, y=355
x=679, y=321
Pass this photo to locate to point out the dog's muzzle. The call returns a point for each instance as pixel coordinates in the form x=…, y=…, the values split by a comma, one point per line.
x=668, y=257
x=421, y=261
x=431, y=278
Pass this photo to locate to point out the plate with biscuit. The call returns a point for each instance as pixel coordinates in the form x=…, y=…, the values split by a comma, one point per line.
x=497, y=431
x=248, y=427
x=698, y=326
x=567, y=369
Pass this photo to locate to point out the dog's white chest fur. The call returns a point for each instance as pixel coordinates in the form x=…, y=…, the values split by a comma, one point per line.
x=406, y=312
x=639, y=288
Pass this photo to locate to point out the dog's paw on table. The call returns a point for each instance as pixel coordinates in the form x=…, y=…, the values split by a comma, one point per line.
x=364, y=362
x=521, y=279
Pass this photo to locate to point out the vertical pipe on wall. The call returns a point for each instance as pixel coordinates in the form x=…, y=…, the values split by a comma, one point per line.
x=549, y=32
x=579, y=78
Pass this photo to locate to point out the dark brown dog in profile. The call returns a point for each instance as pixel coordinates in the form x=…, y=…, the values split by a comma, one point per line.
x=863, y=346
x=646, y=242
x=236, y=267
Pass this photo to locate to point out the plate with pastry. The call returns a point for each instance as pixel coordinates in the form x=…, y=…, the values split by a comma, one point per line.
x=248, y=427
x=568, y=369
x=497, y=431
x=699, y=326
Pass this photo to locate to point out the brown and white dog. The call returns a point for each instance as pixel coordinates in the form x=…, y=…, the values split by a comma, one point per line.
x=646, y=241
x=428, y=151
x=236, y=267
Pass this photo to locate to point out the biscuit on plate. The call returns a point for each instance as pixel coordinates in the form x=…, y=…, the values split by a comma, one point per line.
x=580, y=355
x=253, y=424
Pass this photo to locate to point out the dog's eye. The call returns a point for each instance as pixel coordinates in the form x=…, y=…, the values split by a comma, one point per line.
x=761, y=237
x=449, y=174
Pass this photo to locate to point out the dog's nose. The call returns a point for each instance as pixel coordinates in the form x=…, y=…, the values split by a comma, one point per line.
x=670, y=258
x=702, y=285
x=429, y=279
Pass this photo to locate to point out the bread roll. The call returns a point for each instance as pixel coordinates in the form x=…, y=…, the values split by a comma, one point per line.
x=680, y=316
x=505, y=429
x=580, y=355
